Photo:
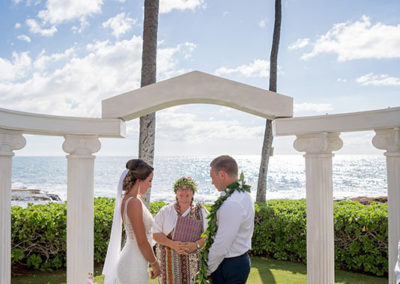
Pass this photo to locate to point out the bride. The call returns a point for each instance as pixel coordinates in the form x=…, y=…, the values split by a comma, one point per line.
x=130, y=265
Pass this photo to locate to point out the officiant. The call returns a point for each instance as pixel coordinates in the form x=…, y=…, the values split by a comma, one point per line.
x=177, y=230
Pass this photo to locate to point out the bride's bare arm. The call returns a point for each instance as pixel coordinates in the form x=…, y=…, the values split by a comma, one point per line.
x=135, y=214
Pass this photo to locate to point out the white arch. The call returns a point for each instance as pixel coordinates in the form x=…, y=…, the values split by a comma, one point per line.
x=197, y=87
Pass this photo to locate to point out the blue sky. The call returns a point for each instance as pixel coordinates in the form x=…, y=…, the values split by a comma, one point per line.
x=63, y=57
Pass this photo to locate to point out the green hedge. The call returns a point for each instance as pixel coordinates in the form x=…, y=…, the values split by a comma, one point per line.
x=361, y=237
x=361, y=233
x=38, y=236
x=38, y=233
x=280, y=230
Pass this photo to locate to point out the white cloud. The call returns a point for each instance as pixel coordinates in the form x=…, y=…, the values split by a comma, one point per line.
x=83, y=23
x=358, y=143
x=300, y=43
x=187, y=48
x=257, y=68
x=359, y=40
x=167, y=59
x=69, y=83
x=17, y=68
x=378, y=80
x=312, y=108
x=35, y=28
x=43, y=61
x=17, y=25
x=177, y=125
x=120, y=24
x=167, y=6
x=57, y=11
x=24, y=38
x=28, y=2
x=262, y=24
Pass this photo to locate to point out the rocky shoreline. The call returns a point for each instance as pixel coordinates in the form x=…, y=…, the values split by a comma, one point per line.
x=367, y=200
x=21, y=197
x=40, y=196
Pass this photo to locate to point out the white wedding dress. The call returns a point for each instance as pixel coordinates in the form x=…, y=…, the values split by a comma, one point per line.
x=132, y=267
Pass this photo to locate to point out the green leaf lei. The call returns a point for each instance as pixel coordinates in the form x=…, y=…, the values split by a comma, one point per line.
x=185, y=181
x=212, y=228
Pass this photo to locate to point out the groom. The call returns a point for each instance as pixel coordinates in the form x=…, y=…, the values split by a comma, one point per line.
x=228, y=261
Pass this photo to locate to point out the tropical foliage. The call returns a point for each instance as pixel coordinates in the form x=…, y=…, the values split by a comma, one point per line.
x=361, y=233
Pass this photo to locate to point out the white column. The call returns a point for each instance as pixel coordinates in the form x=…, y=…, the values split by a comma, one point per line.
x=389, y=140
x=319, y=194
x=80, y=205
x=9, y=141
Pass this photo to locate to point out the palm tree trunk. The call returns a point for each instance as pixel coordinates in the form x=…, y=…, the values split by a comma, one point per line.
x=268, y=138
x=149, y=72
x=265, y=154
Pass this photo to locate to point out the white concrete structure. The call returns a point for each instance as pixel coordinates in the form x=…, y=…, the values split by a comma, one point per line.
x=318, y=137
x=319, y=193
x=389, y=140
x=197, y=87
x=80, y=206
x=41, y=124
x=81, y=140
x=9, y=141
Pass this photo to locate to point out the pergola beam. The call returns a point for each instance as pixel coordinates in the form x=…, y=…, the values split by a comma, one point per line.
x=42, y=124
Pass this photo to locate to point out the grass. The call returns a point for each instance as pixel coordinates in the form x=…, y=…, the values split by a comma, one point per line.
x=263, y=271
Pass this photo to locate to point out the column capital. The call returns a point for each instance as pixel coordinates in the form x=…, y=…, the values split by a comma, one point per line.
x=387, y=139
x=318, y=143
x=11, y=140
x=81, y=145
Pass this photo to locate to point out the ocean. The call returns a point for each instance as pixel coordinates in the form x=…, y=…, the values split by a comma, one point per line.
x=353, y=175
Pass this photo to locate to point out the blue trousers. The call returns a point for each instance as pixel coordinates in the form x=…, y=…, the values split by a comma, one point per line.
x=233, y=270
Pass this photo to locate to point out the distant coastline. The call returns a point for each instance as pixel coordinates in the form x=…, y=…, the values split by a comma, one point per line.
x=23, y=197
x=353, y=175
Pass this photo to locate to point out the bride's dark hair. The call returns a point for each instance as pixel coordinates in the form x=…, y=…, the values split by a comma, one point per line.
x=138, y=169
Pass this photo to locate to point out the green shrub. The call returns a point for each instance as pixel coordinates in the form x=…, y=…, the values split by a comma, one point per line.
x=103, y=217
x=280, y=230
x=38, y=236
x=361, y=237
x=361, y=233
x=156, y=206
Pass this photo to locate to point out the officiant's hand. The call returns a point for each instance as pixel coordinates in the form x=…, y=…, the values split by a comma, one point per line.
x=191, y=247
x=197, y=245
x=180, y=247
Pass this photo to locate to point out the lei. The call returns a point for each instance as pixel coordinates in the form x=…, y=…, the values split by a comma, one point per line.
x=238, y=185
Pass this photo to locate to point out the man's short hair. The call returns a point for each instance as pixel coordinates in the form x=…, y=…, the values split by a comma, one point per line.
x=225, y=163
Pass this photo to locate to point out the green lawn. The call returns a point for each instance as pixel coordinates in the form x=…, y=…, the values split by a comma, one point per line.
x=263, y=271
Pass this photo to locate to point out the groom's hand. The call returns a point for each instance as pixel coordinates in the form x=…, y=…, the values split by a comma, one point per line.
x=155, y=270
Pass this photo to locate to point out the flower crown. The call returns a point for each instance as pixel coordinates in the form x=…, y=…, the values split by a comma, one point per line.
x=185, y=181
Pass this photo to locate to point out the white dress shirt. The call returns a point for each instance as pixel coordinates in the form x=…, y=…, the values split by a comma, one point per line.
x=235, y=221
x=165, y=220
